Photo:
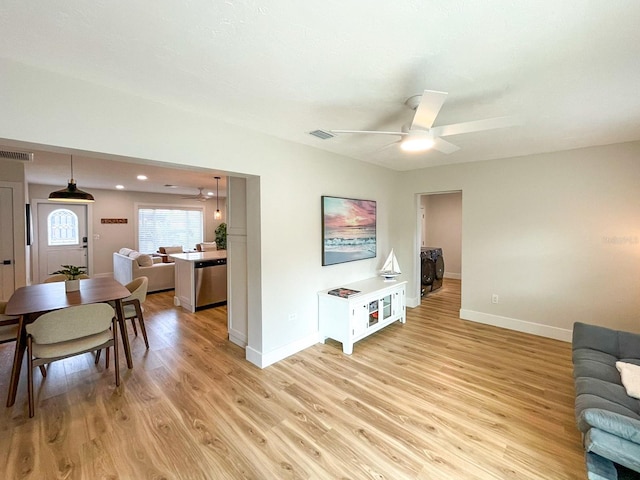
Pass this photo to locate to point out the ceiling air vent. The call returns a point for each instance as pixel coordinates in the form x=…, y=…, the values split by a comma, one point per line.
x=19, y=156
x=323, y=134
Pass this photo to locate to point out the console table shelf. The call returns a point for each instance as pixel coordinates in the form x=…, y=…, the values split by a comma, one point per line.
x=352, y=318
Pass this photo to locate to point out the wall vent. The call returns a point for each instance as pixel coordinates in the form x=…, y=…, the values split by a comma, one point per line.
x=19, y=156
x=323, y=134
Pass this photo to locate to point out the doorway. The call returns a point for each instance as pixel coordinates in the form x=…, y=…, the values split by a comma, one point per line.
x=7, y=270
x=441, y=228
x=62, y=237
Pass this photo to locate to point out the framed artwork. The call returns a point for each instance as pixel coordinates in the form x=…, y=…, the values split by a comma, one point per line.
x=348, y=230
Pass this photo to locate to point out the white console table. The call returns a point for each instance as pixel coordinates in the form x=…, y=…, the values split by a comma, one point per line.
x=350, y=319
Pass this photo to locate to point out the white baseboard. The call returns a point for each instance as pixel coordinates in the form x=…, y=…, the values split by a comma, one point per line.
x=413, y=302
x=455, y=276
x=239, y=338
x=264, y=360
x=517, y=325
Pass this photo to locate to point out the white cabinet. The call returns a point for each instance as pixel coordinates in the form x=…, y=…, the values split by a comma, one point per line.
x=350, y=319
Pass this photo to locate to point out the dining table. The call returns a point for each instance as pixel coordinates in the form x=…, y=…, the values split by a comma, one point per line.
x=31, y=301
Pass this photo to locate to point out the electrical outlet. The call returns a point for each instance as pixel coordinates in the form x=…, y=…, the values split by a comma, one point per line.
x=494, y=298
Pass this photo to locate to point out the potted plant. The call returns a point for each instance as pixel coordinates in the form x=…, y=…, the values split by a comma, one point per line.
x=221, y=236
x=72, y=272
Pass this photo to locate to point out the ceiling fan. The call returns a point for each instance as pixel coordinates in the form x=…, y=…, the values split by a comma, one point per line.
x=201, y=197
x=421, y=135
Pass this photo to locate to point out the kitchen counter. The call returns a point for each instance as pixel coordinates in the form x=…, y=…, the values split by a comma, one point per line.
x=201, y=279
x=199, y=256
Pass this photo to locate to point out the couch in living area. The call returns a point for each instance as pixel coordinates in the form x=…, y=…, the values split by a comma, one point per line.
x=606, y=370
x=129, y=264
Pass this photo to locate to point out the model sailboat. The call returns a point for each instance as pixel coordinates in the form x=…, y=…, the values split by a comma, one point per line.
x=391, y=268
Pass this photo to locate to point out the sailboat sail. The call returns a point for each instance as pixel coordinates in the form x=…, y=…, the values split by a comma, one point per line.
x=391, y=268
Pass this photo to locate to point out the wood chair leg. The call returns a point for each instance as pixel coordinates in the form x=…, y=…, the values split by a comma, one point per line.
x=98, y=352
x=116, y=359
x=106, y=358
x=141, y=321
x=43, y=371
x=30, y=378
x=133, y=324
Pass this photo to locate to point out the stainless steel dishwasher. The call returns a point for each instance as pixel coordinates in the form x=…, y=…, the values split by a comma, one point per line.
x=210, y=282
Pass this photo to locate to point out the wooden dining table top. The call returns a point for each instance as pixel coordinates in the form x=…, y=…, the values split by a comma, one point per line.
x=44, y=297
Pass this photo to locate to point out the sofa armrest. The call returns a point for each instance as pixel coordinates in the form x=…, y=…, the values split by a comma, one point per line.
x=595, y=337
x=123, y=268
x=614, y=423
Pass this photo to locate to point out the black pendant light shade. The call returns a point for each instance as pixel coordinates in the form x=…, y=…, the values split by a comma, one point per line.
x=72, y=193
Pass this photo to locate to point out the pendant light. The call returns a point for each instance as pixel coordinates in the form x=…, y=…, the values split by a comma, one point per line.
x=71, y=193
x=218, y=214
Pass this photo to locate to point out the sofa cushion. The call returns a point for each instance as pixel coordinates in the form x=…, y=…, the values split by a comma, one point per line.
x=145, y=260
x=125, y=251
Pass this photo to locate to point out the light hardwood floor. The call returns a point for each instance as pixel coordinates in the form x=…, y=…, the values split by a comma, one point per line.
x=436, y=398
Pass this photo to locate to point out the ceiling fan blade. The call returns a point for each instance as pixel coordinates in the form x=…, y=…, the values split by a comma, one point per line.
x=367, y=131
x=443, y=146
x=428, y=109
x=475, y=126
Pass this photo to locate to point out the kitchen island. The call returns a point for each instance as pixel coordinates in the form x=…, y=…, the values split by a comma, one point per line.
x=201, y=279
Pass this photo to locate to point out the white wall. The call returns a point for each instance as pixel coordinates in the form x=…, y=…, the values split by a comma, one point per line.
x=285, y=271
x=442, y=227
x=556, y=236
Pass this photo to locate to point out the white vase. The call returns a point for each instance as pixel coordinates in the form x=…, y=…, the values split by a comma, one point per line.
x=71, y=285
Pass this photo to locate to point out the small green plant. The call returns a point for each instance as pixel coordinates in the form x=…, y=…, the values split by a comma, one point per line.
x=71, y=271
x=221, y=236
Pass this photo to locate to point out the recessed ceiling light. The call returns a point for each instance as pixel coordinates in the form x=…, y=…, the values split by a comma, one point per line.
x=141, y=177
x=210, y=194
x=119, y=187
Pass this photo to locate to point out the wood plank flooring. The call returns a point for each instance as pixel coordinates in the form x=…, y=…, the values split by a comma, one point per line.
x=436, y=398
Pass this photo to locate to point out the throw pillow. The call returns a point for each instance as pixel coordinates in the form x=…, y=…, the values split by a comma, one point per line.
x=125, y=251
x=133, y=254
x=630, y=375
x=145, y=260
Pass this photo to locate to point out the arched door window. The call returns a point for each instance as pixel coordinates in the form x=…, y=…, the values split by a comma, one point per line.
x=62, y=227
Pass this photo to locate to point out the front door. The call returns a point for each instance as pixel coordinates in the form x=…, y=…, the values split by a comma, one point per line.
x=62, y=237
x=7, y=278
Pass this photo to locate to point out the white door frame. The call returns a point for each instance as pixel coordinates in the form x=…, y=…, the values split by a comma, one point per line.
x=34, y=247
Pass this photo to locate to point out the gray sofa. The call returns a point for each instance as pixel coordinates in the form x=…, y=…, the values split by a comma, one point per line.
x=607, y=416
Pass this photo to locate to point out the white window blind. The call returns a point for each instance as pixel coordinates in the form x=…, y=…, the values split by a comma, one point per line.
x=167, y=227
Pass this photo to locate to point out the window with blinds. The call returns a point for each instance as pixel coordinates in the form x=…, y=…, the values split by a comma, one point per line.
x=166, y=226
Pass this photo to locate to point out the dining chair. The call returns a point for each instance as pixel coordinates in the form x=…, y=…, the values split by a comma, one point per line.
x=132, y=305
x=68, y=332
x=60, y=277
x=8, y=325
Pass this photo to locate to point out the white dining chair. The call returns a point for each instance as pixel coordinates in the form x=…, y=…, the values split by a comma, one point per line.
x=67, y=332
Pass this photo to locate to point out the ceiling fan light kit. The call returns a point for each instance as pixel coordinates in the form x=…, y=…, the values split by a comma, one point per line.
x=417, y=141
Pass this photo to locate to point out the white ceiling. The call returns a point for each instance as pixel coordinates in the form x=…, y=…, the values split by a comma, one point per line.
x=569, y=69
x=105, y=172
